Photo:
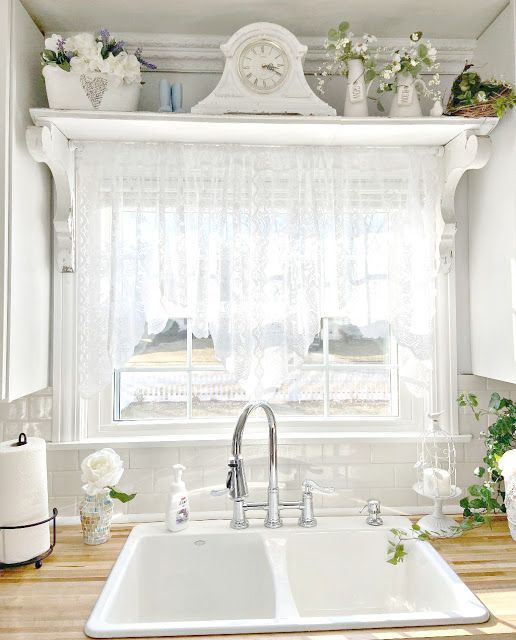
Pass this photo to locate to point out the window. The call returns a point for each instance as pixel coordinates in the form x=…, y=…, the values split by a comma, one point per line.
x=309, y=271
x=349, y=371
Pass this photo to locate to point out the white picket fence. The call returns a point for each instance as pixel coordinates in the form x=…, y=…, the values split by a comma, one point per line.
x=215, y=386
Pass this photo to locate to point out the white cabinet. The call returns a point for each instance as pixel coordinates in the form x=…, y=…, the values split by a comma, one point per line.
x=492, y=224
x=25, y=188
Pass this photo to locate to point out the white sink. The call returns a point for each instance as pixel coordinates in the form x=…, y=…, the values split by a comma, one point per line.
x=210, y=579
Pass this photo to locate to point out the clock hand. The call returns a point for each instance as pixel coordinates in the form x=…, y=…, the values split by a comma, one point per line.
x=270, y=67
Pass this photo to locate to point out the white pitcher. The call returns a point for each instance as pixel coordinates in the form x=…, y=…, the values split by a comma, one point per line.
x=405, y=103
x=355, y=102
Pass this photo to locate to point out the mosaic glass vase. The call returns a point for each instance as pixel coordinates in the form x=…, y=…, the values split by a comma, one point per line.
x=96, y=513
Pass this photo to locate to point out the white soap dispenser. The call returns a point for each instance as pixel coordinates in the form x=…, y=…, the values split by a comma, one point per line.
x=178, y=507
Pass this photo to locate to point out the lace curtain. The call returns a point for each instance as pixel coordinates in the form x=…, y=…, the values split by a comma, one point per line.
x=255, y=244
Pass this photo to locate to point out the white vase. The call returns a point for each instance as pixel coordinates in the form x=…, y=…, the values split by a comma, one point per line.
x=355, y=102
x=405, y=103
x=89, y=91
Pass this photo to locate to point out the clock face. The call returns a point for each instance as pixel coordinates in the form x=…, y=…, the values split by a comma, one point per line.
x=263, y=66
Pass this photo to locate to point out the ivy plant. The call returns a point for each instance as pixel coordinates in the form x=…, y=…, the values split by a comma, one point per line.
x=488, y=495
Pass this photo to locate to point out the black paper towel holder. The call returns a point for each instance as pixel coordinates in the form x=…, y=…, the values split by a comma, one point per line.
x=37, y=561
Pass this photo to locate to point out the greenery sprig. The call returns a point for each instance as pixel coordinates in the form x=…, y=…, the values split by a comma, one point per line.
x=341, y=47
x=396, y=551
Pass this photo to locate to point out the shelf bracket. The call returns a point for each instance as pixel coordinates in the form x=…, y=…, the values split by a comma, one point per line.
x=466, y=151
x=47, y=144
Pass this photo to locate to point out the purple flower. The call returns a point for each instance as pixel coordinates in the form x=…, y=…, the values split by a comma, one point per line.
x=61, y=45
x=144, y=63
x=118, y=47
x=104, y=36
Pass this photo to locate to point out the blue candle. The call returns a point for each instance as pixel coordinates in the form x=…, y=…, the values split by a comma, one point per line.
x=164, y=96
x=177, y=97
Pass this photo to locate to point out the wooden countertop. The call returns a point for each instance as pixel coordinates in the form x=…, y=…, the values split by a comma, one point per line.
x=53, y=603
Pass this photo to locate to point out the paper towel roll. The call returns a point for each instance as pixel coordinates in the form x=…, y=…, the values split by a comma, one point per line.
x=23, y=499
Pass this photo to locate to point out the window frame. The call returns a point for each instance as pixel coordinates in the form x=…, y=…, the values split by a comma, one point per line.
x=77, y=419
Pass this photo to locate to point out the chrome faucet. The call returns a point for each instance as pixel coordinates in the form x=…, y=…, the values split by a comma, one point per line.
x=236, y=483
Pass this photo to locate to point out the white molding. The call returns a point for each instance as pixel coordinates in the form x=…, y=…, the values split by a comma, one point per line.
x=197, y=53
x=47, y=144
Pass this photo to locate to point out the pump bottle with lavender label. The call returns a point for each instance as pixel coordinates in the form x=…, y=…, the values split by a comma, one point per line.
x=177, y=515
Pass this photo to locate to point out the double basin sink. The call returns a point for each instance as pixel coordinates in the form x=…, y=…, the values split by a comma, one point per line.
x=209, y=579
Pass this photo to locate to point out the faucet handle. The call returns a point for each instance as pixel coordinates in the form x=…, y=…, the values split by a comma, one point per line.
x=311, y=486
x=373, y=512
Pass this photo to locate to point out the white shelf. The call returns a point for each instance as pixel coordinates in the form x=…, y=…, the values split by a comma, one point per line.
x=146, y=126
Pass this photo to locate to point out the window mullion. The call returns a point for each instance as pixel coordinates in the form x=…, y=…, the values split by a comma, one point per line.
x=189, y=366
x=326, y=360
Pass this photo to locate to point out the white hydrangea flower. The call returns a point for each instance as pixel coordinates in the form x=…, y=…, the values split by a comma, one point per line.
x=387, y=73
x=481, y=96
x=396, y=57
x=84, y=45
x=51, y=43
x=413, y=62
x=396, y=67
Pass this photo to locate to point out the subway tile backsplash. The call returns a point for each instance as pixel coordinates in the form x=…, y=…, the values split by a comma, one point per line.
x=358, y=470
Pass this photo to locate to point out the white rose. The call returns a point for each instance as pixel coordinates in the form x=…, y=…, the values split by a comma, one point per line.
x=51, y=43
x=101, y=469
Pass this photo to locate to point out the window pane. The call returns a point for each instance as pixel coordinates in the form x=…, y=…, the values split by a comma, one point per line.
x=203, y=351
x=302, y=396
x=216, y=394
x=356, y=391
x=146, y=395
x=348, y=343
x=315, y=353
x=167, y=348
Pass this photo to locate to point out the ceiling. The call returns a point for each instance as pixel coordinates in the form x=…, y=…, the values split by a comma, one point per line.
x=436, y=18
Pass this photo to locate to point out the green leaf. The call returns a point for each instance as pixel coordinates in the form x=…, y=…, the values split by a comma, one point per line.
x=422, y=51
x=494, y=402
x=464, y=503
x=344, y=27
x=474, y=490
x=120, y=495
x=479, y=471
x=380, y=106
x=370, y=74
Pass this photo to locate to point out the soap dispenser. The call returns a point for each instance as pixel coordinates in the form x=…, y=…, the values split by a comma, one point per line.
x=178, y=507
